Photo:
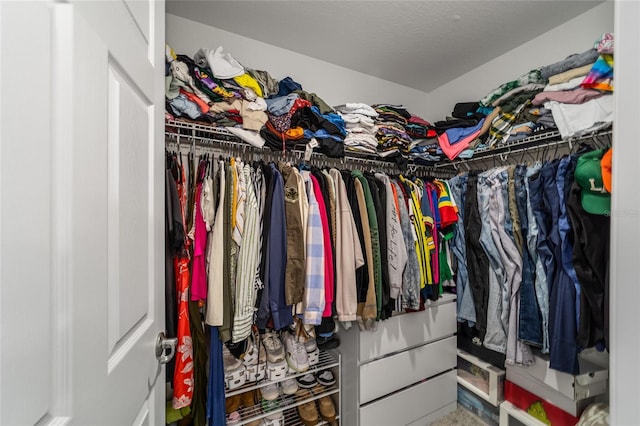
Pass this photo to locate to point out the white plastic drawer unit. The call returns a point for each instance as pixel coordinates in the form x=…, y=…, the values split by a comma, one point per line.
x=410, y=330
x=386, y=375
x=411, y=404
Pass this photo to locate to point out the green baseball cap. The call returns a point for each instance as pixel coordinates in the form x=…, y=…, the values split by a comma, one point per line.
x=594, y=197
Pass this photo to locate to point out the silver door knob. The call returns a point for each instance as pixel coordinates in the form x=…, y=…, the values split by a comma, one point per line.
x=162, y=344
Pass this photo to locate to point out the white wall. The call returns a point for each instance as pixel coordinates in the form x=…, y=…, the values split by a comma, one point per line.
x=575, y=36
x=335, y=84
x=625, y=222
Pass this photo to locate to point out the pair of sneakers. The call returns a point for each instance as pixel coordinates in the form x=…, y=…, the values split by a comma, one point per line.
x=272, y=391
x=324, y=377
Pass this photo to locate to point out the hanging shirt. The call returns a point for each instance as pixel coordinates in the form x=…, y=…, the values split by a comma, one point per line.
x=214, y=312
x=315, y=262
x=349, y=256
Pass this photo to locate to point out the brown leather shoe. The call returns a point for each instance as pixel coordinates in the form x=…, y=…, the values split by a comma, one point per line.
x=308, y=412
x=327, y=409
x=232, y=403
x=249, y=398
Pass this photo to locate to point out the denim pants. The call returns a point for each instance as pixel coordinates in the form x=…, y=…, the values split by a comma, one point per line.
x=496, y=336
x=564, y=177
x=543, y=252
x=477, y=261
x=513, y=209
x=530, y=326
x=466, y=311
x=562, y=296
x=517, y=352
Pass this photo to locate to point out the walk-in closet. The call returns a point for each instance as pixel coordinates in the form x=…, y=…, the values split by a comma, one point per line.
x=286, y=213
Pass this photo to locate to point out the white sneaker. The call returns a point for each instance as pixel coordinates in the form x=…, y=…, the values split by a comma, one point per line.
x=310, y=338
x=234, y=371
x=276, y=419
x=270, y=392
x=274, y=348
x=296, y=354
x=289, y=387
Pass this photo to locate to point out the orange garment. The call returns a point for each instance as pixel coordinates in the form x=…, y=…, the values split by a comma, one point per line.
x=605, y=166
x=192, y=97
x=183, y=372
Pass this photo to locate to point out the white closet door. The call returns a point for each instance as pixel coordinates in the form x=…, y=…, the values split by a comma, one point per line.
x=83, y=300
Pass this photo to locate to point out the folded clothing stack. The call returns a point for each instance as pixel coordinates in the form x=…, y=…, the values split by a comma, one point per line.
x=392, y=137
x=360, y=126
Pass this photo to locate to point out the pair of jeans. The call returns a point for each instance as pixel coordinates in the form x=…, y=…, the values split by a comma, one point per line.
x=496, y=336
x=517, y=352
x=543, y=252
x=530, y=326
x=466, y=310
x=477, y=261
x=562, y=315
x=513, y=210
x=565, y=175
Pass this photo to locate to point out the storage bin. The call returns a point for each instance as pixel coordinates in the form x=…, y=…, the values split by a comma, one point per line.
x=481, y=378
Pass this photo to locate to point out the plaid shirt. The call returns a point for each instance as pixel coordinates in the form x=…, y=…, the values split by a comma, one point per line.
x=314, y=297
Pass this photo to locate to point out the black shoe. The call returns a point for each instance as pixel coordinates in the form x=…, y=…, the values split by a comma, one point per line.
x=325, y=343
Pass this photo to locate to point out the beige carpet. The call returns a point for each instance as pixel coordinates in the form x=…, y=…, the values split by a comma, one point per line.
x=459, y=417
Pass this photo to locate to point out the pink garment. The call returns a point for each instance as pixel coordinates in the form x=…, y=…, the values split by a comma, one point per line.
x=328, y=255
x=452, y=151
x=575, y=96
x=199, y=274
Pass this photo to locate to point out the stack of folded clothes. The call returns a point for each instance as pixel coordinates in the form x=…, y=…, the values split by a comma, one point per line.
x=424, y=147
x=393, y=140
x=578, y=94
x=360, y=127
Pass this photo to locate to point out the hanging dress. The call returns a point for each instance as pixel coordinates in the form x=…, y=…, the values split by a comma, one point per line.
x=183, y=373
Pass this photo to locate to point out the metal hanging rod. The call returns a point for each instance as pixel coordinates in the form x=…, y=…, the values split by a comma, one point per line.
x=531, y=143
x=194, y=135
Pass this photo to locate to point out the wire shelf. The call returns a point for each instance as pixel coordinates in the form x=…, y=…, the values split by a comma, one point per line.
x=328, y=359
x=287, y=405
x=188, y=133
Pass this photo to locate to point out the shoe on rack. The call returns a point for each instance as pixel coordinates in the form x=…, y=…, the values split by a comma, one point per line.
x=232, y=403
x=278, y=370
x=273, y=347
x=234, y=371
x=327, y=409
x=296, y=354
x=307, y=336
x=268, y=406
x=276, y=419
x=308, y=412
x=325, y=378
x=270, y=391
x=307, y=381
x=249, y=398
x=234, y=419
x=255, y=360
x=325, y=343
x=289, y=387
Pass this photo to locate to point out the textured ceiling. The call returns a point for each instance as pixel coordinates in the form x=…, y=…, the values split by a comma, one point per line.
x=420, y=44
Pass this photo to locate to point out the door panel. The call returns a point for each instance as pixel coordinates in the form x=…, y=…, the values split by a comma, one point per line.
x=27, y=333
x=118, y=217
x=81, y=212
x=130, y=289
x=141, y=13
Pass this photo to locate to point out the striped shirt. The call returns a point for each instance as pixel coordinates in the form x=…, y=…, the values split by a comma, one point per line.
x=247, y=262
